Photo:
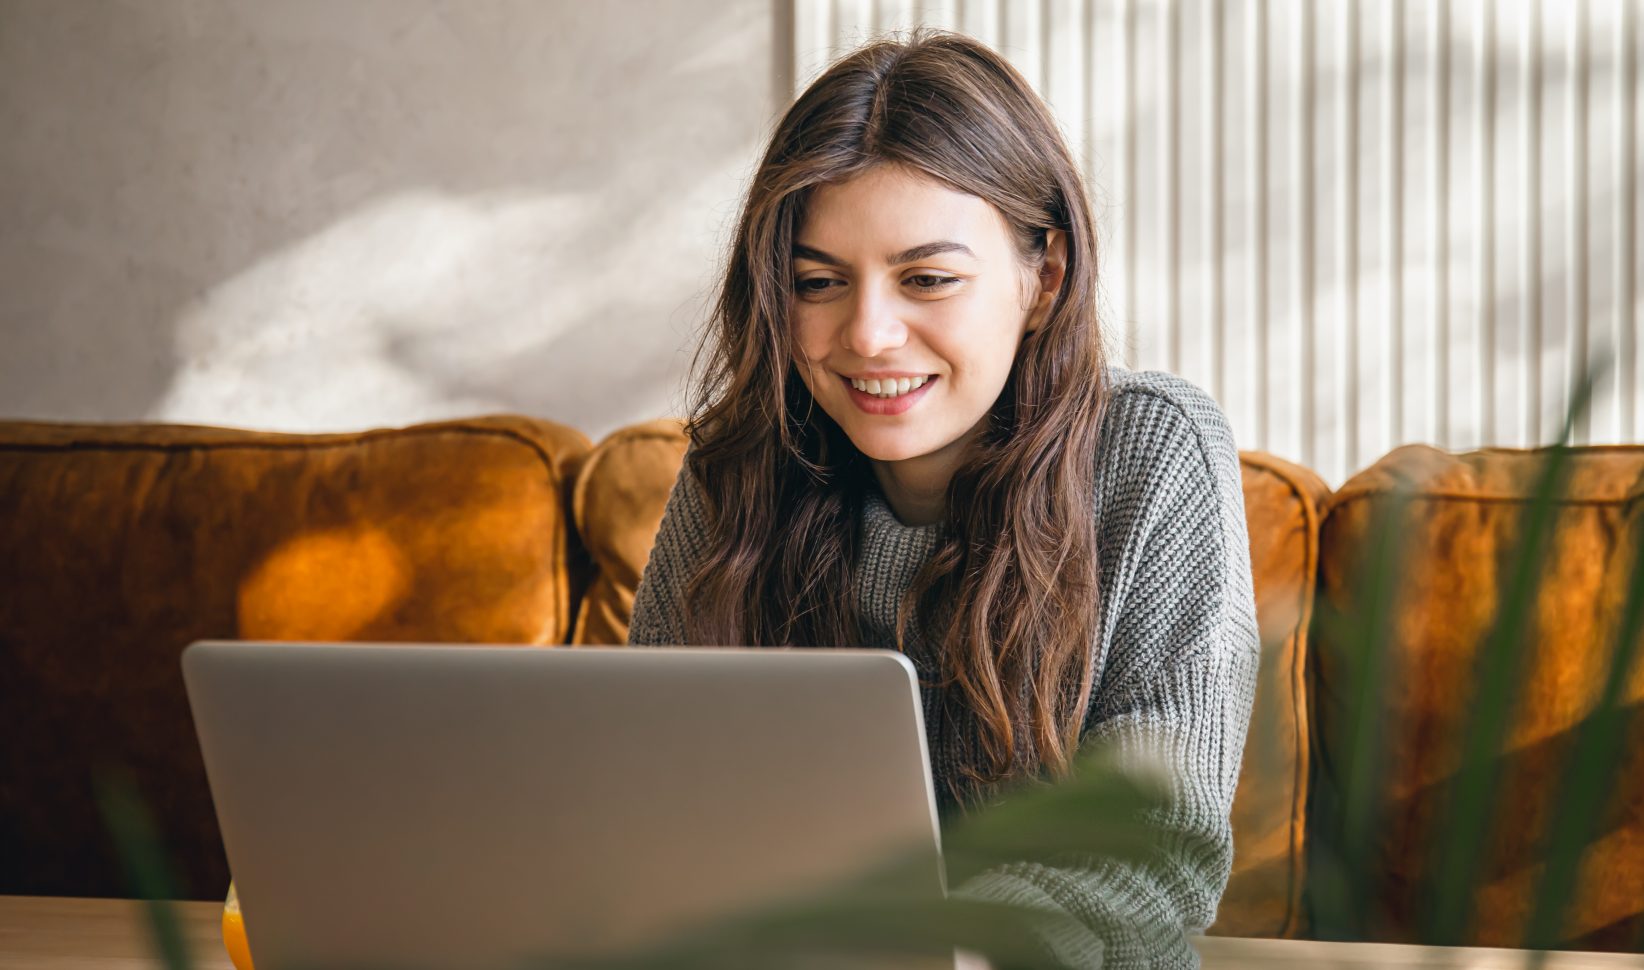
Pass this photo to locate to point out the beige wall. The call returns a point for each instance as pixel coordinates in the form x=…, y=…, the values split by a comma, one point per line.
x=316, y=215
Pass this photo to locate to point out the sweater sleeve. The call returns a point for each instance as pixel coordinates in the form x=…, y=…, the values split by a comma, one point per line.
x=659, y=602
x=1177, y=680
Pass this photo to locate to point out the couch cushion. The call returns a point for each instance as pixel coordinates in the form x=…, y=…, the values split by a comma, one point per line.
x=623, y=488
x=620, y=492
x=1460, y=527
x=1282, y=504
x=120, y=544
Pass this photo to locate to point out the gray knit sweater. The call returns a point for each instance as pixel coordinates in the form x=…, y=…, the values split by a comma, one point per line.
x=1175, y=664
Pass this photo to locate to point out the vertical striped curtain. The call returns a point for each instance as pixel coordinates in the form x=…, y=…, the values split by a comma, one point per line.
x=1356, y=223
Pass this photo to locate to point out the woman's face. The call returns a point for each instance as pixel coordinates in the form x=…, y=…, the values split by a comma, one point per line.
x=909, y=302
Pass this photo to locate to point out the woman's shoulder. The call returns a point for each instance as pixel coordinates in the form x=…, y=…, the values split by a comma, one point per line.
x=1141, y=397
x=1158, y=426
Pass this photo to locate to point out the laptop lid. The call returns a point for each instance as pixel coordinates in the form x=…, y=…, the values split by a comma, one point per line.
x=423, y=805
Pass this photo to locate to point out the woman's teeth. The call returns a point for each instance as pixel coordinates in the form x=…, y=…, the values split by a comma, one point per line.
x=895, y=387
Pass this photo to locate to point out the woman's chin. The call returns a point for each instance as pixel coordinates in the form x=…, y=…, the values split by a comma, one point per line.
x=891, y=447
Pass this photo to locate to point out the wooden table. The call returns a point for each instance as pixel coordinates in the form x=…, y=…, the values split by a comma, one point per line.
x=55, y=933
x=51, y=933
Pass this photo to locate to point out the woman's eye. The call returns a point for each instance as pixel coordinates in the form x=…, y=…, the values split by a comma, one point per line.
x=813, y=286
x=930, y=282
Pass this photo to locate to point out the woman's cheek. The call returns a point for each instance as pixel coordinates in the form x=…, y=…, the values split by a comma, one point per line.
x=810, y=341
x=812, y=369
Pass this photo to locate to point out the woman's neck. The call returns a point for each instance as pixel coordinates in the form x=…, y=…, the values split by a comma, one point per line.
x=916, y=489
x=914, y=503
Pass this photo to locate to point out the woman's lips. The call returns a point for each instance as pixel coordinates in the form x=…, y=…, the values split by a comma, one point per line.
x=873, y=404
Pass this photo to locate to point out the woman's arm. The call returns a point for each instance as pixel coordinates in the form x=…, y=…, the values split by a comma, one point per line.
x=1138, y=913
x=1176, y=685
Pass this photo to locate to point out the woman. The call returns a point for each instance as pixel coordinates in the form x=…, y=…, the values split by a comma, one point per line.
x=905, y=435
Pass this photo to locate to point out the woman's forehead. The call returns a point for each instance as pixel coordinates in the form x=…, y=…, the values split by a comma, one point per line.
x=890, y=209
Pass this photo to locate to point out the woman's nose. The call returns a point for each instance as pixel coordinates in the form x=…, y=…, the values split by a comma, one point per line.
x=873, y=327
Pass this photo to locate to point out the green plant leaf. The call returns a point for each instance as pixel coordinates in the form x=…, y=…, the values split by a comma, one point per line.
x=1590, y=773
x=1344, y=898
x=1097, y=810
x=137, y=841
x=1500, y=671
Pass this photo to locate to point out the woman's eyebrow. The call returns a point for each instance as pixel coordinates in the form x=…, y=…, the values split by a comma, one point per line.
x=801, y=251
x=925, y=250
x=909, y=255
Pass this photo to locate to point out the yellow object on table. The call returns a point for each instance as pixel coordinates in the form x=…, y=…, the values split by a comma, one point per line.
x=239, y=951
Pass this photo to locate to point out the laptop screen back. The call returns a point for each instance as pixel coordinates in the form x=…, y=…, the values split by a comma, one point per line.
x=452, y=805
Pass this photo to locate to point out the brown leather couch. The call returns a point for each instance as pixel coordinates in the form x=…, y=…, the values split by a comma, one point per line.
x=121, y=544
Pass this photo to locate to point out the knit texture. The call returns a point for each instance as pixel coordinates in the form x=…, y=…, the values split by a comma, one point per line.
x=1175, y=665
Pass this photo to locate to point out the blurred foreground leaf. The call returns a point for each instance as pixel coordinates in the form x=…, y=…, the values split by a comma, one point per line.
x=1500, y=673
x=1340, y=864
x=1098, y=810
x=1590, y=772
x=137, y=841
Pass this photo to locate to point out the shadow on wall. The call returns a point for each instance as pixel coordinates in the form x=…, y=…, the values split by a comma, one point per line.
x=313, y=217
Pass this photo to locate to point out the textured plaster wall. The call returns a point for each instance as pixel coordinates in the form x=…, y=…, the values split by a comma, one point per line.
x=314, y=215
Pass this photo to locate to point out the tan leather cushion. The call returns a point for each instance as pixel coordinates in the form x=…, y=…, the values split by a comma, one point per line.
x=121, y=544
x=1464, y=519
x=1282, y=504
x=620, y=492
x=623, y=488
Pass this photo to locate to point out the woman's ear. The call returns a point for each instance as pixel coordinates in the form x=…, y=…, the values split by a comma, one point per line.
x=1051, y=274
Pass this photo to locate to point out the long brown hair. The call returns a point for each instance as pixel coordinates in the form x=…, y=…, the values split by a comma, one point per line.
x=1009, y=598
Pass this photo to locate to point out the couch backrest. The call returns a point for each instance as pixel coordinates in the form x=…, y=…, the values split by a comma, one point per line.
x=1282, y=503
x=1462, y=521
x=119, y=545
x=624, y=485
x=617, y=503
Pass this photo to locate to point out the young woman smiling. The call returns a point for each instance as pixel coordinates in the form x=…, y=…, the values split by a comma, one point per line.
x=905, y=435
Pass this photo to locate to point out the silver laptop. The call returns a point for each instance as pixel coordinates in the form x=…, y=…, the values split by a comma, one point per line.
x=434, y=806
